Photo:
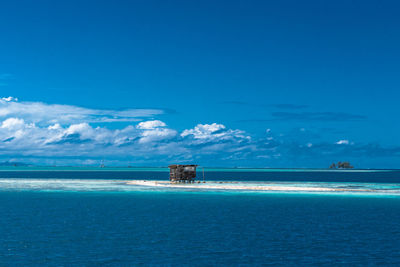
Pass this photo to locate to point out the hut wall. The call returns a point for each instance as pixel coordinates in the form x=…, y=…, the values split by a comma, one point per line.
x=182, y=172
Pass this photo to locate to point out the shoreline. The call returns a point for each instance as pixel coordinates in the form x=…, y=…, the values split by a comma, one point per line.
x=124, y=185
x=241, y=186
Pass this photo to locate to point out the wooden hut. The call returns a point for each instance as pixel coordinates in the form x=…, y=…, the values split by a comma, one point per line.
x=182, y=173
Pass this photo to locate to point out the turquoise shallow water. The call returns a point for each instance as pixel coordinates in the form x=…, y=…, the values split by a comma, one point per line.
x=91, y=218
x=290, y=175
x=232, y=187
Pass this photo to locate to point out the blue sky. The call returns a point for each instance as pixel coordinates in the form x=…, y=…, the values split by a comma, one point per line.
x=218, y=83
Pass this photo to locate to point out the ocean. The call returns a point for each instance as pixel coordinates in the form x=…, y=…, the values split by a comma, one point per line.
x=92, y=217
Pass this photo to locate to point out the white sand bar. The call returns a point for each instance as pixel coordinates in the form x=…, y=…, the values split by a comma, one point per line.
x=245, y=186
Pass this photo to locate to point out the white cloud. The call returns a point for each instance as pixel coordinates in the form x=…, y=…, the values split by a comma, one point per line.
x=151, y=124
x=56, y=126
x=9, y=99
x=342, y=142
x=83, y=129
x=203, y=131
x=43, y=113
x=52, y=130
x=12, y=123
x=157, y=134
x=216, y=139
x=214, y=132
x=146, y=139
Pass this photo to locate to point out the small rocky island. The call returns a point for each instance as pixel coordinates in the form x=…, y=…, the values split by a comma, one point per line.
x=341, y=165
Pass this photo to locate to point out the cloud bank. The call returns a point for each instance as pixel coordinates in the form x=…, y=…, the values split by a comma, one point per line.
x=46, y=133
x=51, y=131
x=42, y=113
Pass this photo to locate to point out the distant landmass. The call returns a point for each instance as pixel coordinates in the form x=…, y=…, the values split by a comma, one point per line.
x=341, y=165
x=14, y=164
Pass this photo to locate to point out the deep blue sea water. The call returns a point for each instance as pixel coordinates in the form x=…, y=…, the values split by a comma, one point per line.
x=104, y=225
x=366, y=176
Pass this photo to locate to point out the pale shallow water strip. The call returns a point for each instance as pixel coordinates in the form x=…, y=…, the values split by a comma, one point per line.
x=277, y=186
x=373, y=189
